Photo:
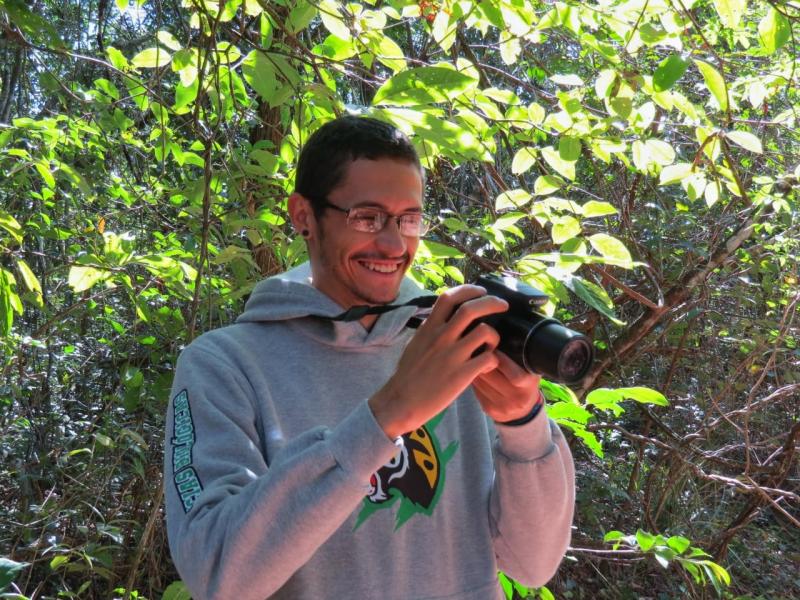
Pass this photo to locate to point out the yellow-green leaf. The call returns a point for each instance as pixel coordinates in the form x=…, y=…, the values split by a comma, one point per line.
x=613, y=250
x=730, y=11
x=715, y=83
x=561, y=166
x=774, y=31
x=675, y=173
x=151, y=58
x=746, y=140
x=11, y=225
x=82, y=278
x=564, y=228
x=169, y=40
x=523, y=160
x=30, y=280
x=547, y=184
x=512, y=199
x=332, y=19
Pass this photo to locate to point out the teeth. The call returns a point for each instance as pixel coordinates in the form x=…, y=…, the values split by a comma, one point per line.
x=380, y=268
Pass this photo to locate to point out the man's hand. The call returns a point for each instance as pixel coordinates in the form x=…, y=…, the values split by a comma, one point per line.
x=438, y=364
x=507, y=392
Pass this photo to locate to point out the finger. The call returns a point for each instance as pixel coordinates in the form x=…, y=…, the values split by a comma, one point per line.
x=483, y=338
x=472, y=310
x=484, y=362
x=514, y=373
x=449, y=301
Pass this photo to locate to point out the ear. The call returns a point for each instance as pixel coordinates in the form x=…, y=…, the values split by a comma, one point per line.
x=301, y=214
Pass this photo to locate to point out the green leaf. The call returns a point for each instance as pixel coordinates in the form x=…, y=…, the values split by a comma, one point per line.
x=259, y=72
x=11, y=225
x=300, y=16
x=561, y=166
x=335, y=48
x=564, y=228
x=595, y=208
x=385, y=50
x=169, y=40
x=82, y=278
x=437, y=250
x=523, y=160
x=332, y=19
x=117, y=58
x=715, y=83
x=774, y=31
x=547, y=184
x=568, y=410
x=746, y=140
x=669, y=71
x=730, y=11
x=30, y=280
x=512, y=199
x=151, y=58
x=613, y=250
x=9, y=570
x=643, y=395
x=569, y=148
x=612, y=536
x=176, y=591
x=567, y=79
x=594, y=296
x=645, y=540
x=678, y=543
x=675, y=173
x=423, y=85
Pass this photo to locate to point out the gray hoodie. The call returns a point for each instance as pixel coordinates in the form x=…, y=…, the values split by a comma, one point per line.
x=280, y=483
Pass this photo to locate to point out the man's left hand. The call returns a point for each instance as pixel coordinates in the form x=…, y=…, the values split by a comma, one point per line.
x=508, y=392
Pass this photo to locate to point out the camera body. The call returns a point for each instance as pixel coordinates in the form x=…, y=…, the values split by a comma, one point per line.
x=537, y=343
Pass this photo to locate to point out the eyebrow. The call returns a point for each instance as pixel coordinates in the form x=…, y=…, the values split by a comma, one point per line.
x=369, y=204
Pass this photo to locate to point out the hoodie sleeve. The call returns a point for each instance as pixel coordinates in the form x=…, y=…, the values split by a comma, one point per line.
x=532, y=500
x=239, y=528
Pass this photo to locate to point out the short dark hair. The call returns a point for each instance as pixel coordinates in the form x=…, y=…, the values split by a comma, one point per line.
x=324, y=158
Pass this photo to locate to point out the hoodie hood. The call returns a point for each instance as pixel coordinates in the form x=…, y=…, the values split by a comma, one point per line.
x=290, y=298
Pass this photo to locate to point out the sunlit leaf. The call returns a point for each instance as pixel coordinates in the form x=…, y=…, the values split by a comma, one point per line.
x=523, y=160
x=715, y=83
x=561, y=166
x=512, y=199
x=423, y=85
x=151, y=58
x=774, y=31
x=564, y=228
x=611, y=249
x=730, y=11
x=746, y=140
x=669, y=71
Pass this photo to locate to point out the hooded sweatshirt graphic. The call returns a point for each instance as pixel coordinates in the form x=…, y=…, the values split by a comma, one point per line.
x=281, y=484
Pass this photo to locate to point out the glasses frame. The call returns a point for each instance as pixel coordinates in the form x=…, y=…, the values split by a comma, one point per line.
x=425, y=224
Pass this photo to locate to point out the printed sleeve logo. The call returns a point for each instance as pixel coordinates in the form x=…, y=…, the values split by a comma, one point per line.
x=184, y=476
x=414, y=476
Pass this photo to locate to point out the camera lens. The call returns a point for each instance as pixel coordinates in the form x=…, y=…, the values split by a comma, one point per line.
x=574, y=360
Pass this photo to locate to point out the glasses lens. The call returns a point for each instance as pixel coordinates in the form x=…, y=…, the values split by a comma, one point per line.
x=367, y=220
x=414, y=224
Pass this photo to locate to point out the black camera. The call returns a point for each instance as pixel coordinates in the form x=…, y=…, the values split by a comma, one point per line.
x=534, y=341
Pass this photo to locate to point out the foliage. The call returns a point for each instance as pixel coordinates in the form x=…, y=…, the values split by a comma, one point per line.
x=636, y=160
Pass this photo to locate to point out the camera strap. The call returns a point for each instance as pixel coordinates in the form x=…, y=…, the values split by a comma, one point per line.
x=422, y=303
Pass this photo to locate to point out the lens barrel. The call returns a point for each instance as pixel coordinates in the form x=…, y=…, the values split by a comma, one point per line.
x=543, y=345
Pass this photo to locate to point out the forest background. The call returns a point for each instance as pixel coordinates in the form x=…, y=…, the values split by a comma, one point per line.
x=635, y=159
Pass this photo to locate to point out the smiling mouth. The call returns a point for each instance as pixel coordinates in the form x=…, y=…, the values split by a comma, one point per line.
x=386, y=268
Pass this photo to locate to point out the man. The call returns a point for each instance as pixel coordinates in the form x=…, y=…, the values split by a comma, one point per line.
x=310, y=457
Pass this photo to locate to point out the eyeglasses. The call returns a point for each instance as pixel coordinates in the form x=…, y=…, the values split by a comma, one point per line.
x=368, y=219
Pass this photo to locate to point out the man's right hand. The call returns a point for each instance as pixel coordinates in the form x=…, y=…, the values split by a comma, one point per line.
x=438, y=364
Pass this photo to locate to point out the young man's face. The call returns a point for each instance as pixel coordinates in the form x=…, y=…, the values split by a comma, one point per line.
x=353, y=267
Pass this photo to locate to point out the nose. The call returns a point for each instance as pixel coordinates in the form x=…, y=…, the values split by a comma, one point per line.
x=390, y=240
